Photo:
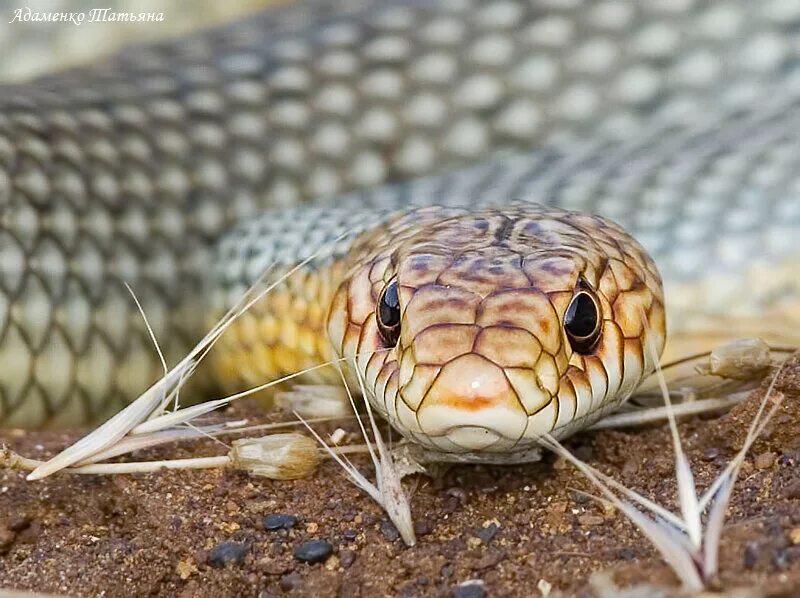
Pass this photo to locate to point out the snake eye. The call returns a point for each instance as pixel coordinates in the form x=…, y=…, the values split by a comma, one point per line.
x=388, y=314
x=582, y=321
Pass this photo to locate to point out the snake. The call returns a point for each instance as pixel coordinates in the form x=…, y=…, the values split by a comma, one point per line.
x=463, y=201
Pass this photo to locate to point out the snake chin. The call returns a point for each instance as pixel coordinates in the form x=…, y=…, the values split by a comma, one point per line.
x=424, y=455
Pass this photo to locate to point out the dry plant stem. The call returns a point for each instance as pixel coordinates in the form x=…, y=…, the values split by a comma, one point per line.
x=693, y=556
x=10, y=459
x=389, y=480
x=155, y=398
x=637, y=418
x=186, y=414
x=388, y=493
x=14, y=461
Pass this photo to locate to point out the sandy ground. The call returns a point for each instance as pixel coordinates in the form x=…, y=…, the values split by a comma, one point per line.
x=202, y=533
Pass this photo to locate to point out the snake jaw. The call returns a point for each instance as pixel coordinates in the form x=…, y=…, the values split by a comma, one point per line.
x=482, y=365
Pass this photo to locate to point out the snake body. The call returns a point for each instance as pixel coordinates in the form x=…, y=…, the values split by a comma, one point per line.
x=676, y=119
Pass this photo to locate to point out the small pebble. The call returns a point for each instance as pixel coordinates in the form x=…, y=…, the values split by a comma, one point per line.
x=389, y=531
x=277, y=521
x=346, y=557
x=313, y=551
x=350, y=534
x=580, y=498
x=751, y=554
x=227, y=553
x=710, y=454
x=765, y=460
x=469, y=589
x=422, y=527
x=486, y=534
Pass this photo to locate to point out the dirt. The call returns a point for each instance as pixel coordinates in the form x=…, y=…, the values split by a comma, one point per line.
x=202, y=533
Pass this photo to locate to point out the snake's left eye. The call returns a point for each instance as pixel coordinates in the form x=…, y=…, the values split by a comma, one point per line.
x=388, y=314
x=582, y=321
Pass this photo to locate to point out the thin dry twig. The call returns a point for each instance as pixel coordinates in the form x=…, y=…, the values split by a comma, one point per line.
x=388, y=491
x=687, y=547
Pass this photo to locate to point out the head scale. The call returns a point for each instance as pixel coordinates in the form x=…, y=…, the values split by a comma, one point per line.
x=512, y=324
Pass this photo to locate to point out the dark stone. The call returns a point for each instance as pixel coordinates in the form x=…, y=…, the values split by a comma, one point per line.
x=350, y=535
x=580, y=498
x=711, y=454
x=423, y=527
x=278, y=521
x=584, y=452
x=487, y=534
x=469, y=590
x=389, y=531
x=227, y=553
x=313, y=551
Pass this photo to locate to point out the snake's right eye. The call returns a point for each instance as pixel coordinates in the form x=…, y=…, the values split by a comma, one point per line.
x=582, y=322
x=388, y=314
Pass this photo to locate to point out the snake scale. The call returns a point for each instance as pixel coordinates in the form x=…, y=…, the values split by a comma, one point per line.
x=675, y=118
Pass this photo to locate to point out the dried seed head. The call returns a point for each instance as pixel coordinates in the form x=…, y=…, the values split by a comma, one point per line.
x=277, y=456
x=743, y=359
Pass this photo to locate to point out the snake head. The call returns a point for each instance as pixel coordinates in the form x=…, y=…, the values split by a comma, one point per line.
x=478, y=333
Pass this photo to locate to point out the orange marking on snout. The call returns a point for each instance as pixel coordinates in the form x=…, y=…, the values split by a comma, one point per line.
x=471, y=403
x=471, y=383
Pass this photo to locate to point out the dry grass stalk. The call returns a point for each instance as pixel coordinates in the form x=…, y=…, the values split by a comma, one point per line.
x=150, y=406
x=688, y=547
x=388, y=490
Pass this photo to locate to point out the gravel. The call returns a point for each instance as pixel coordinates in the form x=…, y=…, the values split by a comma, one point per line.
x=276, y=521
x=313, y=551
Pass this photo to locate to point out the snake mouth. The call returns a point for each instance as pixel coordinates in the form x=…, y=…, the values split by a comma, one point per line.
x=471, y=406
x=473, y=437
